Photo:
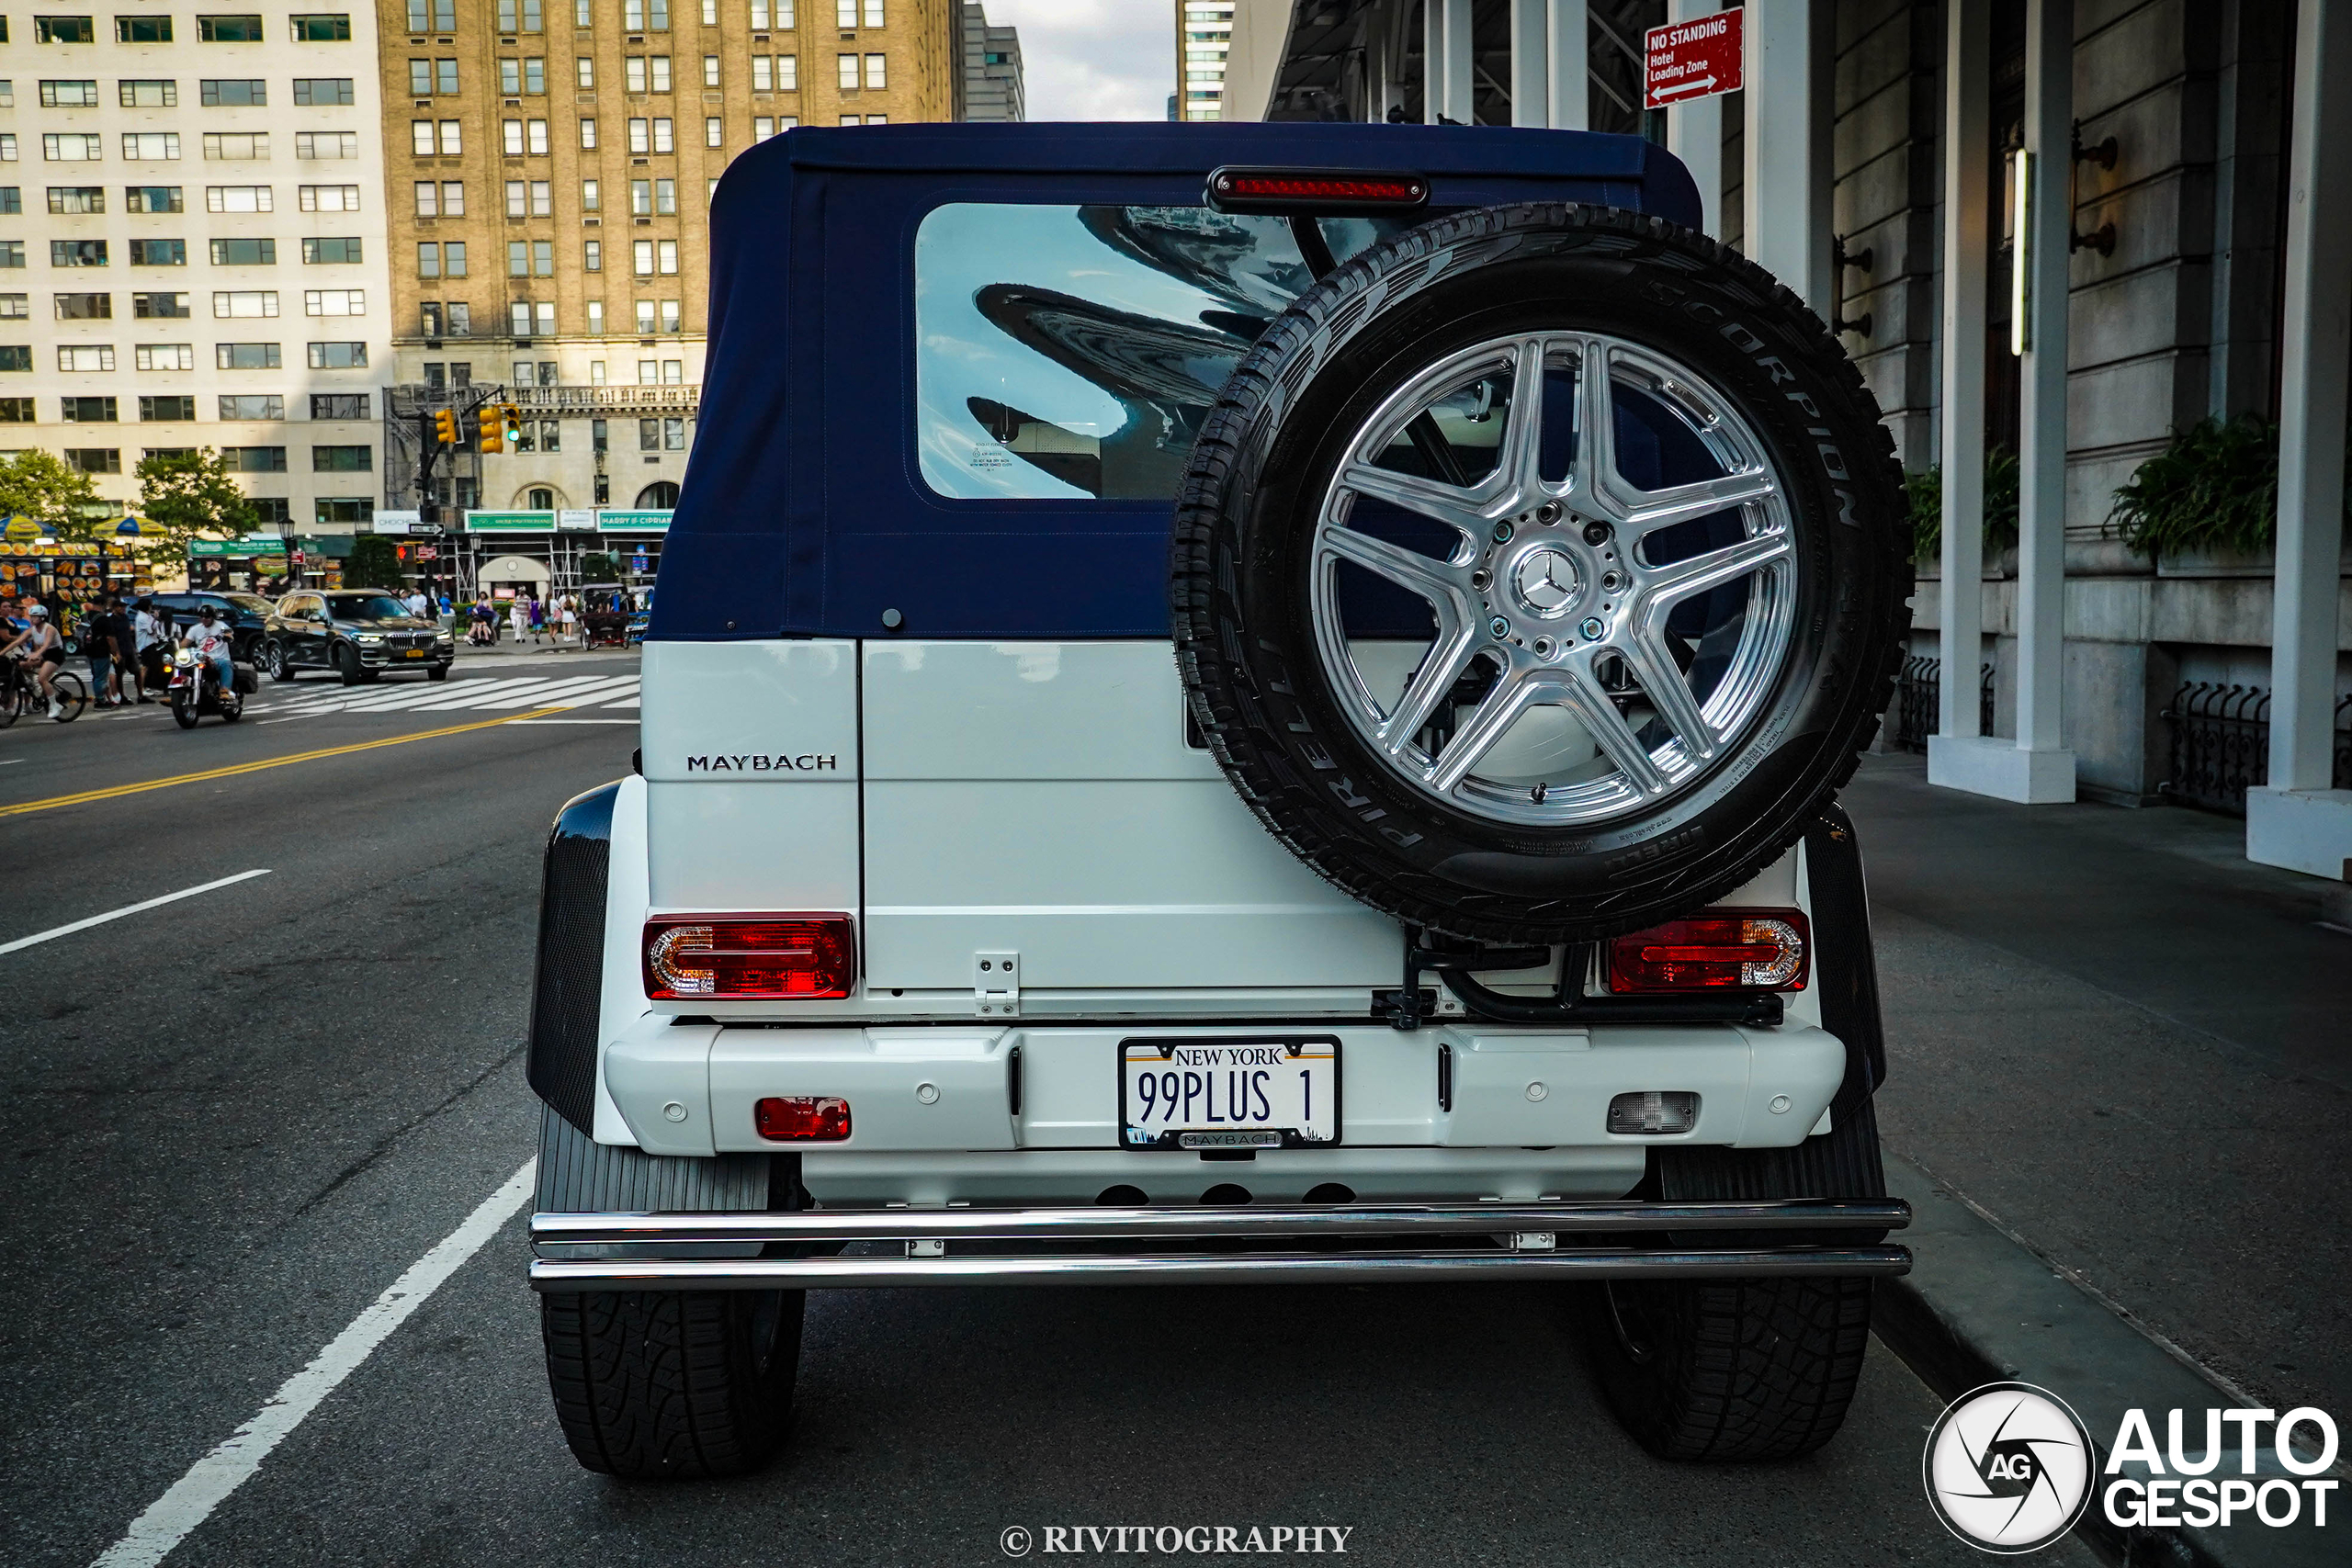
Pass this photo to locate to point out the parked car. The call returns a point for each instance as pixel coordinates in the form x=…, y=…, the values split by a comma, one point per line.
x=357, y=633
x=247, y=615
x=1411, y=855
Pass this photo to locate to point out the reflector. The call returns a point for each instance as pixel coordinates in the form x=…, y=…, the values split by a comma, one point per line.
x=1652, y=1110
x=802, y=1119
x=1748, y=950
x=749, y=957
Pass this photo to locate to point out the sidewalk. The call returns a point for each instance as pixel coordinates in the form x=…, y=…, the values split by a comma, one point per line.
x=508, y=649
x=2128, y=1048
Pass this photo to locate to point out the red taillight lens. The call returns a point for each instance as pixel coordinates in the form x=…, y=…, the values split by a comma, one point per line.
x=1747, y=950
x=802, y=1119
x=1314, y=190
x=749, y=957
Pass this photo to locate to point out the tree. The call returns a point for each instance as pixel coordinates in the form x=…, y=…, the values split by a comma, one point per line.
x=184, y=494
x=40, y=485
x=598, y=567
x=374, y=562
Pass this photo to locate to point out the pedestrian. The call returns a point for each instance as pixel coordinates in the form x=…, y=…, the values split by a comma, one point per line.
x=414, y=603
x=117, y=623
x=538, y=618
x=570, y=621
x=98, y=647
x=519, y=619
x=147, y=631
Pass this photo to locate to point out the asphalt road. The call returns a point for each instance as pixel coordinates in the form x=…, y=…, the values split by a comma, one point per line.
x=230, y=1122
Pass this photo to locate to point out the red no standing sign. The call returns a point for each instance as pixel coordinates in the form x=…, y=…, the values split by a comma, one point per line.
x=1696, y=59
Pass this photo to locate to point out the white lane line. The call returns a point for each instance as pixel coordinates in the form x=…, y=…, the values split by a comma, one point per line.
x=11, y=763
x=38, y=936
x=629, y=704
x=534, y=723
x=209, y=1480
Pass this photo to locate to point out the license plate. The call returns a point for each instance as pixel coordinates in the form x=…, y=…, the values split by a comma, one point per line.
x=1267, y=1093
x=413, y=653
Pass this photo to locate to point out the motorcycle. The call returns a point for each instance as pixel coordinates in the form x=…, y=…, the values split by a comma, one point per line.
x=196, y=690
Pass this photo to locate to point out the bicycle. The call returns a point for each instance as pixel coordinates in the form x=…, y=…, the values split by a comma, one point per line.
x=21, y=694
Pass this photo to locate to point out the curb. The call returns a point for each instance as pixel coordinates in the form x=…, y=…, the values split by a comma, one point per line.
x=1977, y=1307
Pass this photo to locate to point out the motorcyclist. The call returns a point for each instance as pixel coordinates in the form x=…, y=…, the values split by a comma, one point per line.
x=209, y=635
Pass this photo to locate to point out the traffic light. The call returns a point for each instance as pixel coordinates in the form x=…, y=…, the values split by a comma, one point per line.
x=493, y=430
x=511, y=426
x=445, y=426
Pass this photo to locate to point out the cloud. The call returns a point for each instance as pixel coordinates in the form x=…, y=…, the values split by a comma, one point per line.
x=1094, y=59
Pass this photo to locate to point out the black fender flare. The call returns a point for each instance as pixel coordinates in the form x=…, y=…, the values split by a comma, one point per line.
x=567, y=978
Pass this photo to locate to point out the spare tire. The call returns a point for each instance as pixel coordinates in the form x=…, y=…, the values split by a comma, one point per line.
x=1498, y=680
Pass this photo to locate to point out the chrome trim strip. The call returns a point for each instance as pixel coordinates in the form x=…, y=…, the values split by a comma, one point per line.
x=1288, y=1268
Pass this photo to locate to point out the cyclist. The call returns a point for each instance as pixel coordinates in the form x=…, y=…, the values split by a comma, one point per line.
x=208, y=636
x=43, y=650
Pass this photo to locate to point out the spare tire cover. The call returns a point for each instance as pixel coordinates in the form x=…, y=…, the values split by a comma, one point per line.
x=1540, y=571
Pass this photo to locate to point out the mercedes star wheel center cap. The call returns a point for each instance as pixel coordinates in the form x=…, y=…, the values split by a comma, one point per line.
x=1547, y=581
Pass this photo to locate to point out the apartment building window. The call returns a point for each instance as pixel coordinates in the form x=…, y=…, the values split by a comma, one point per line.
x=252, y=405
x=441, y=13
x=845, y=14
x=420, y=78
x=324, y=91
x=762, y=127
x=233, y=147
x=335, y=302
x=452, y=138
x=848, y=64
x=359, y=510
x=168, y=409
x=153, y=199
x=787, y=72
x=873, y=13
x=234, y=198
x=16, y=357
x=512, y=131
x=633, y=72
x=592, y=256
x=453, y=199
x=77, y=253
x=535, y=74
x=84, y=306
x=874, y=73
x=428, y=259
x=445, y=73
x=64, y=29
x=536, y=138
x=93, y=459
x=595, y=318
x=243, y=303
x=235, y=93
x=78, y=95
x=661, y=73
x=762, y=73
x=543, y=258
x=517, y=201
x=714, y=132
x=159, y=253
x=590, y=196
x=245, y=357
x=87, y=410
x=667, y=252
x=520, y=15
x=420, y=138
x=340, y=357
x=710, y=71
x=509, y=77
x=665, y=197
x=229, y=30
x=164, y=356
x=332, y=250
x=144, y=29
x=643, y=253
x=79, y=147
x=75, y=201
x=645, y=318
x=341, y=459
x=443, y=199
x=8, y=147
x=670, y=316
x=588, y=135
x=327, y=199
x=85, y=357
x=245, y=253
x=319, y=144
x=15, y=307
x=323, y=29
x=428, y=199
x=19, y=410
x=587, y=71
x=641, y=136
x=254, y=460
x=428, y=314
x=663, y=139
x=160, y=308
x=148, y=94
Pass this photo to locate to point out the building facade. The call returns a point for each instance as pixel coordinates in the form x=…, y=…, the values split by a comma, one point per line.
x=992, y=84
x=551, y=165
x=193, y=252
x=1204, y=38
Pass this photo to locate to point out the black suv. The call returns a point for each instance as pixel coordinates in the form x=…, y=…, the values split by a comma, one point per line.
x=248, y=615
x=359, y=632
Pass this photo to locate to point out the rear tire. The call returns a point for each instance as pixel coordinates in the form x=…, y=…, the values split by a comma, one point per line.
x=437, y=673
x=1728, y=1370
x=672, y=1385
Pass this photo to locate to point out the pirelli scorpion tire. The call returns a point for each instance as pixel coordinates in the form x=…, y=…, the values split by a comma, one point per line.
x=1540, y=572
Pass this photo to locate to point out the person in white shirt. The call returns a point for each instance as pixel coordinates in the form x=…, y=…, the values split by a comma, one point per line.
x=209, y=635
x=144, y=630
x=416, y=605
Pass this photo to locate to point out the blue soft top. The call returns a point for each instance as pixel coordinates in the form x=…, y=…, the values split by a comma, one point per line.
x=806, y=510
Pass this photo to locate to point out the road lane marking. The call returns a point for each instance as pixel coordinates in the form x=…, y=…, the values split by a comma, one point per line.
x=536, y=723
x=209, y=1480
x=116, y=791
x=38, y=936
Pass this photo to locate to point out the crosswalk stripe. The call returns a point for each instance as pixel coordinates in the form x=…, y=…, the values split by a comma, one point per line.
x=511, y=697
x=584, y=698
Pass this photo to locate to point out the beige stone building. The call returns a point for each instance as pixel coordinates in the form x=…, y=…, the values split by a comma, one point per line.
x=550, y=165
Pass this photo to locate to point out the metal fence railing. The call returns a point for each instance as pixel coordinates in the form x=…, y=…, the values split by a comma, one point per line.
x=2220, y=744
x=1918, y=697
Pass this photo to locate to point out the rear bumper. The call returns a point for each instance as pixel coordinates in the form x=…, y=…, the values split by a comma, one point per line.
x=1301, y=1245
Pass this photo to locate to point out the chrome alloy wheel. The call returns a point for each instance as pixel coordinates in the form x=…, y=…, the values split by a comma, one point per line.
x=1551, y=690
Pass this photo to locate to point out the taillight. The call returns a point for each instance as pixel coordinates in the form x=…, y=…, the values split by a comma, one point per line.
x=1747, y=950
x=749, y=957
x=1314, y=190
x=802, y=1119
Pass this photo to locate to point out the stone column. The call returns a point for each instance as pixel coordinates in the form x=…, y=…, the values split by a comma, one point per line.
x=1446, y=62
x=1694, y=131
x=1968, y=64
x=1789, y=46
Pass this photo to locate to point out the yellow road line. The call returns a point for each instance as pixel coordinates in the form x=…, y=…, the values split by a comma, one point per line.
x=115, y=791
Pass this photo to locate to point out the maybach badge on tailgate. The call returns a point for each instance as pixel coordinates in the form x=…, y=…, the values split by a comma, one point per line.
x=1210, y=1094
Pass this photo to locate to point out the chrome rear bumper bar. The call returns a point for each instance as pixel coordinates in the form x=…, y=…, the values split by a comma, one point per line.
x=688, y=1251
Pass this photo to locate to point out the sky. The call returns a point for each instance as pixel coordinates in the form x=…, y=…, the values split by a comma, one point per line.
x=1094, y=59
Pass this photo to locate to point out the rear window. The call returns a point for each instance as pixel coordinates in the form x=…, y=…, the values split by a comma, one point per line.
x=1073, y=352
